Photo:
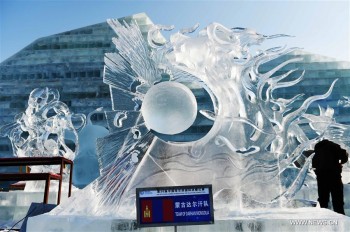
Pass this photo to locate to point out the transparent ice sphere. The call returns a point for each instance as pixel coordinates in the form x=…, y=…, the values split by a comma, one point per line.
x=169, y=108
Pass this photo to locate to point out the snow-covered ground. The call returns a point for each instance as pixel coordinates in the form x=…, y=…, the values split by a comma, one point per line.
x=282, y=219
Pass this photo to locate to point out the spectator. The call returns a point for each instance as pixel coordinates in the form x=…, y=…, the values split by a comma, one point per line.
x=327, y=162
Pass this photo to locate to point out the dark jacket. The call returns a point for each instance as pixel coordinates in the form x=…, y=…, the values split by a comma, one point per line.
x=329, y=156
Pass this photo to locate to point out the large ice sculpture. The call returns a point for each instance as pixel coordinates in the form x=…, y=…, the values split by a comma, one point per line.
x=248, y=154
x=45, y=128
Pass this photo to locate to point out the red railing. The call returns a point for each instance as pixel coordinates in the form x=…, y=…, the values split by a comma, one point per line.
x=35, y=161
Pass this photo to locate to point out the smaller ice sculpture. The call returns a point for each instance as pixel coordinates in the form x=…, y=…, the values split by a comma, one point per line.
x=169, y=108
x=45, y=128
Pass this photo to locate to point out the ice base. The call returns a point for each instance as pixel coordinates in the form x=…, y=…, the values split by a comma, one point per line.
x=282, y=219
x=14, y=205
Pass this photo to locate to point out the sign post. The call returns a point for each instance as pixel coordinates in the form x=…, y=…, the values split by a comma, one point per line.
x=175, y=205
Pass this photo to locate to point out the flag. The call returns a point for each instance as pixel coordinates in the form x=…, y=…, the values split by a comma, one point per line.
x=146, y=211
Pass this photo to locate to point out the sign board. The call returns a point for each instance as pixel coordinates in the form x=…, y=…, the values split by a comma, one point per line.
x=176, y=205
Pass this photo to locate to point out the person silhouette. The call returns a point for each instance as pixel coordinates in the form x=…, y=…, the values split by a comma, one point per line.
x=327, y=162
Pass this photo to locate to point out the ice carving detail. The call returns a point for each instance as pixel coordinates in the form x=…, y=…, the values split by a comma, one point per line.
x=256, y=137
x=45, y=127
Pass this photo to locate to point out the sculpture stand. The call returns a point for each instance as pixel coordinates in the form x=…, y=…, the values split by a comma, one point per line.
x=300, y=219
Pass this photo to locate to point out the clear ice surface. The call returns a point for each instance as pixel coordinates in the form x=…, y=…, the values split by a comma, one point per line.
x=169, y=108
x=86, y=165
x=46, y=128
x=248, y=155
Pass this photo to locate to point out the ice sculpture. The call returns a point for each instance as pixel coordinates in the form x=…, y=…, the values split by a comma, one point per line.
x=45, y=128
x=248, y=154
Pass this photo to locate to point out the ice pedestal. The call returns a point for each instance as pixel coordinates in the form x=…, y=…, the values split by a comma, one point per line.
x=300, y=219
x=309, y=193
x=14, y=205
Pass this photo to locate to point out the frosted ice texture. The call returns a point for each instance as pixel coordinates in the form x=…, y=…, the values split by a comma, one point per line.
x=344, y=102
x=86, y=165
x=45, y=128
x=248, y=154
x=169, y=108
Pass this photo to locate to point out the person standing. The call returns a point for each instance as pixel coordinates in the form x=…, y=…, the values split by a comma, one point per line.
x=327, y=161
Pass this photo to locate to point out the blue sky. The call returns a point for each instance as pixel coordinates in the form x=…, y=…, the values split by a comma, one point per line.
x=321, y=27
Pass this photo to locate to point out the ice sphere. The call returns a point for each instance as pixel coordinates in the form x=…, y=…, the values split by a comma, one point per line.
x=169, y=108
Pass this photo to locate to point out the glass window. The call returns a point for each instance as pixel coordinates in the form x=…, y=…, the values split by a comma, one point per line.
x=90, y=73
x=82, y=74
x=97, y=73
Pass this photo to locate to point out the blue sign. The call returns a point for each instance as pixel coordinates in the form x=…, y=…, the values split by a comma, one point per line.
x=177, y=205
